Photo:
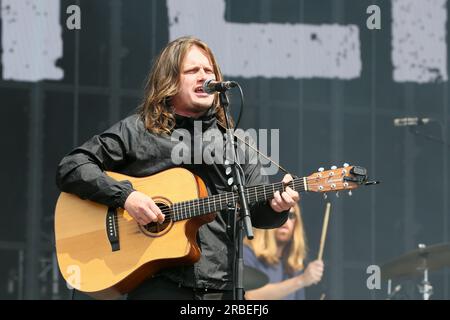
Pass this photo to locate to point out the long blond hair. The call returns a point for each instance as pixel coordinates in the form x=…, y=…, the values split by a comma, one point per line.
x=163, y=83
x=264, y=245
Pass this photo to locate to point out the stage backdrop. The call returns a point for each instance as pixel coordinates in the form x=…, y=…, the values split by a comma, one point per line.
x=331, y=75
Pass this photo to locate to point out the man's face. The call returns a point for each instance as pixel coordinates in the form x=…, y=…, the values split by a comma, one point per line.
x=284, y=233
x=196, y=68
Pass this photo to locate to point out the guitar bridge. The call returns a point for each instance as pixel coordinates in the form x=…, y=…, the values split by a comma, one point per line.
x=112, y=229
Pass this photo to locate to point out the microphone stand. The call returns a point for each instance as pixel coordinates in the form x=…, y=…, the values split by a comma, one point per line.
x=243, y=221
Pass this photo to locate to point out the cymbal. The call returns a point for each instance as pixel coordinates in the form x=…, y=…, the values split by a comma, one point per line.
x=253, y=278
x=415, y=262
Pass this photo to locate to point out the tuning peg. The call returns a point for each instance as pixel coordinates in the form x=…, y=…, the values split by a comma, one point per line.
x=346, y=165
x=228, y=171
x=325, y=196
x=350, y=193
x=230, y=181
x=337, y=194
x=321, y=169
x=333, y=168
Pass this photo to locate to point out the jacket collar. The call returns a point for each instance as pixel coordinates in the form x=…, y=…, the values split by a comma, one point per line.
x=208, y=119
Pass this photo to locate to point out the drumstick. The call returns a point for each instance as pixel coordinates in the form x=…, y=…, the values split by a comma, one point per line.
x=324, y=230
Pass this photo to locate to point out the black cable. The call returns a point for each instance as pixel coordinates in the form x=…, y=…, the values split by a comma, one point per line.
x=242, y=105
x=241, y=111
x=429, y=137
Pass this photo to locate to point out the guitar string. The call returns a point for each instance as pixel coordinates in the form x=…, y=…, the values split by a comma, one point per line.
x=220, y=199
x=252, y=192
x=192, y=204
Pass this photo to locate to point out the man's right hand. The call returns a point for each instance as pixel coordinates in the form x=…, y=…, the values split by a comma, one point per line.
x=143, y=209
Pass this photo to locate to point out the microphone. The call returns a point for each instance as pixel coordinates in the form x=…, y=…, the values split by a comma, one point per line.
x=412, y=121
x=211, y=86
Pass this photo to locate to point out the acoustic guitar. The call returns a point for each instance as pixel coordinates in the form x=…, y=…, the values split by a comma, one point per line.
x=104, y=252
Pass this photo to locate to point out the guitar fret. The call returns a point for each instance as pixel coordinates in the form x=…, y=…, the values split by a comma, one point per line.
x=174, y=212
x=181, y=211
x=224, y=201
x=196, y=207
x=186, y=210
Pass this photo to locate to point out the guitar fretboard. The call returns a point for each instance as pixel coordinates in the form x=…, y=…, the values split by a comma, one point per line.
x=192, y=208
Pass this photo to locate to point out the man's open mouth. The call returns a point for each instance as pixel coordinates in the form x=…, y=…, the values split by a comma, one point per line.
x=199, y=89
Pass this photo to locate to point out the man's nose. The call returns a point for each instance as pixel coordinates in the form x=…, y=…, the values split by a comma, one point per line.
x=202, y=75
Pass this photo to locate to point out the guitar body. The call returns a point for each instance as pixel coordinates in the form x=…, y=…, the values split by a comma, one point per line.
x=90, y=262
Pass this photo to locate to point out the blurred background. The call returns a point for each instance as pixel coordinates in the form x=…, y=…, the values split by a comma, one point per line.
x=331, y=76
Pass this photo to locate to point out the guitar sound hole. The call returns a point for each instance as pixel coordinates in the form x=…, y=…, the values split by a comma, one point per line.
x=155, y=227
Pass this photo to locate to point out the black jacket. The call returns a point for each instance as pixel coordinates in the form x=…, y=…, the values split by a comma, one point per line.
x=128, y=148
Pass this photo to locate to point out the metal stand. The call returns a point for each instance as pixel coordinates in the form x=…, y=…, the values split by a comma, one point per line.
x=389, y=288
x=243, y=221
x=425, y=287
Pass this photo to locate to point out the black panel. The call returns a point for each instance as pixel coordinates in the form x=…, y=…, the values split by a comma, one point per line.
x=95, y=44
x=93, y=116
x=129, y=106
x=142, y=39
x=59, y=122
x=14, y=111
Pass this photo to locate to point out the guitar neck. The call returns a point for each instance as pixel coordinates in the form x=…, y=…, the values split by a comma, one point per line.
x=197, y=207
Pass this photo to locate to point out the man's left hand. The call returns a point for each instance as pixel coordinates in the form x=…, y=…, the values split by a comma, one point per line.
x=287, y=199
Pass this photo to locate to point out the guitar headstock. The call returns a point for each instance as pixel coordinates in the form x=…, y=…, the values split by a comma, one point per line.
x=336, y=179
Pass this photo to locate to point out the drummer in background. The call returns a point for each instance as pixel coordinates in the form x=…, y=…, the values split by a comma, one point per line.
x=280, y=254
